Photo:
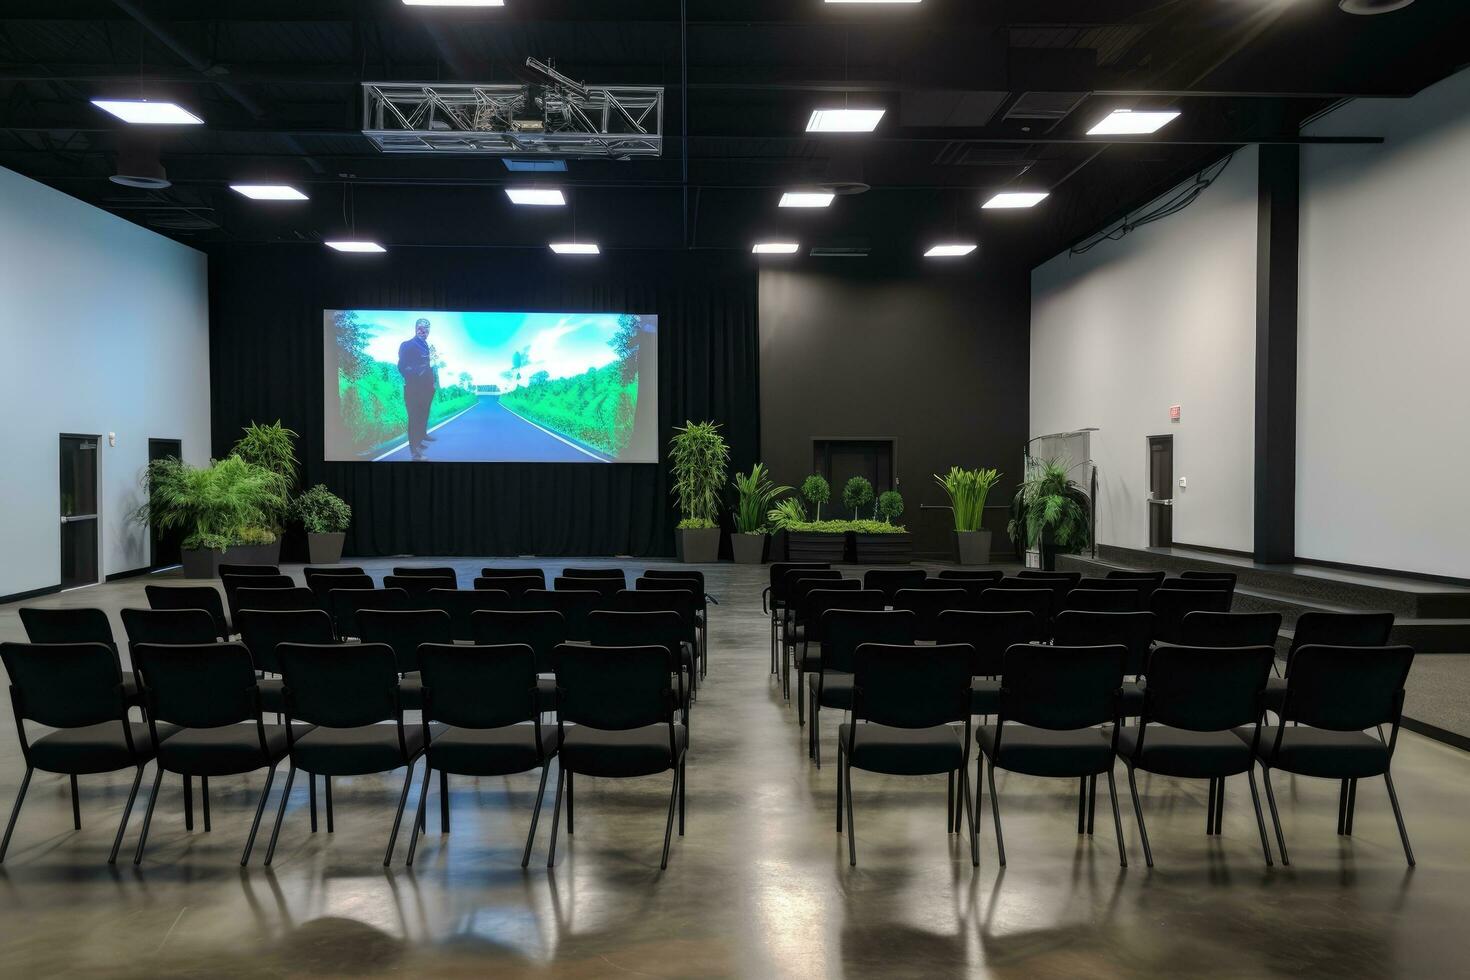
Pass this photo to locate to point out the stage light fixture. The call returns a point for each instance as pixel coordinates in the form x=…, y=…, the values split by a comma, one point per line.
x=950, y=250
x=269, y=192
x=775, y=248
x=1132, y=122
x=806, y=199
x=356, y=247
x=844, y=120
x=1016, y=199
x=575, y=248
x=144, y=113
x=536, y=196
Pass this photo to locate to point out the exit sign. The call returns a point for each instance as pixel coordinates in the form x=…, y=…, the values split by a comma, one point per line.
x=1173, y=413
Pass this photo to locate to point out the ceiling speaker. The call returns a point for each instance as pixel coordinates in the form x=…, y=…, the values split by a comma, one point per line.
x=138, y=165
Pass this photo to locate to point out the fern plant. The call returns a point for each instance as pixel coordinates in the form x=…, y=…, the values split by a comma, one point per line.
x=755, y=493
x=229, y=502
x=786, y=514
x=968, y=490
x=1051, y=509
x=698, y=456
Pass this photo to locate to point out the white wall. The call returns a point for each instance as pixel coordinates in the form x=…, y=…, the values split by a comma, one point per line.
x=1383, y=398
x=105, y=328
x=1165, y=316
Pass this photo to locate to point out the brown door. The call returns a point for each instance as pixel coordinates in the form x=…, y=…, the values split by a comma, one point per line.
x=1161, y=491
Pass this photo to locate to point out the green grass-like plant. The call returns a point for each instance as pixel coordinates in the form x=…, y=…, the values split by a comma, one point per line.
x=968, y=491
x=698, y=456
x=817, y=491
x=321, y=511
x=214, y=505
x=755, y=494
x=857, y=494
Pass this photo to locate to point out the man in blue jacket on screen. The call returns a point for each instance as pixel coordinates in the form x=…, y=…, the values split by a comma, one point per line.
x=416, y=366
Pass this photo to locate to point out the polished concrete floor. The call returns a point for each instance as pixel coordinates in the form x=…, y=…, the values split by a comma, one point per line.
x=759, y=887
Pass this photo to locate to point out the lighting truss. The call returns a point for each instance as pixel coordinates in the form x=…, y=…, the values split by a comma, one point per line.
x=562, y=119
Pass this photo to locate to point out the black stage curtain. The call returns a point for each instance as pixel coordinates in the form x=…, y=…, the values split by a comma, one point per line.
x=266, y=357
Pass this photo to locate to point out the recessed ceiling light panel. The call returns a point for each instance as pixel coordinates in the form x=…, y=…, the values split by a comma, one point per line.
x=775, y=248
x=950, y=250
x=1132, y=122
x=269, y=192
x=806, y=199
x=844, y=120
x=1016, y=199
x=356, y=247
x=141, y=112
x=454, y=3
x=575, y=248
x=536, y=196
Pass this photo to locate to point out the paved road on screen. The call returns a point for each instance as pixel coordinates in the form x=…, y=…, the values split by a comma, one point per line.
x=490, y=432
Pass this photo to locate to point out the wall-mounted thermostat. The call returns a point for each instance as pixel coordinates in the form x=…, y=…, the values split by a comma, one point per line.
x=112, y=439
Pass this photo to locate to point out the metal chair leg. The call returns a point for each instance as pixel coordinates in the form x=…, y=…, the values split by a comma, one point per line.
x=76, y=805
x=189, y=803
x=683, y=789
x=270, y=851
x=418, y=817
x=1000, y=842
x=148, y=817
x=443, y=802
x=569, y=804
x=1082, y=805
x=839, y=787
x=311, y=795
x=398, y=817
x=1091, y=802
x=970, y=815
x=1398, y=815
x=1342, y=795
x=327, y=784
x=535, y=813
x=1352, y=806
x=1275, y=816
x=816, y=730
x=851, y=827
x=669, y=825
x=204, y=798
x=1219, y=806
x=127, y=812
x=1117, y=820
x=1148, y=853
x=801, y=689
x=259, y=810
x=15, y=812
x=1260, y=820
x=949, y=808
x=561, y=777
x=1210, y=808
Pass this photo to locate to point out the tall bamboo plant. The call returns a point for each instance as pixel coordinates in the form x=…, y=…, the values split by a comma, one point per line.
x=968, y=490
x=755, y=495
x=698, y=457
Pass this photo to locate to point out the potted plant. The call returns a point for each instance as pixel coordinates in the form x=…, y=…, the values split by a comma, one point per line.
x=271, y=447
x=817, y=492
x=968, y=491
x=808, y=540
x=325, y=516
x=221, y=506
x=857, y=494
x=698, y=456
x=755, y=495
x=1050, y=512
x=883, y=542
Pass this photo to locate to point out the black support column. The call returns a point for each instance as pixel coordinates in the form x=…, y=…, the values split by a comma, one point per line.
x=1276, y=316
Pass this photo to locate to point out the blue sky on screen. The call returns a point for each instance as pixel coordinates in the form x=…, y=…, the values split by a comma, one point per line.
x=484, y=344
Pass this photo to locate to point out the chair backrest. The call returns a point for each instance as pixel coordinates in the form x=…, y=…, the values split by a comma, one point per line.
x=1103, y=600
x=1134, y=631
x=890, y=580
x=1220, y=576
x=911, y=686
x=535, y=573
x=312, y=571
x=67, y=626
x=1059, y=587
x=798, y=590
x=1206, y=689
x=844, y=630
x=1202, y=584
x=543, y=630
x=514, y=586
x=191, y=626
x=794, y=577
x=676, y=573
x=1140, y=576
x=816, y=603
x=615, y=573
x=573, y=604
x=233, y=583
x=669, y=583
x=326, y=583
x=614, y=688
x=1070, y=579
x=971, y=587
x=927, y=604
x=462, y=604
x=204, y=597
x=418, y=586
x=973, y=574
x=1229, y=629
x=262, y=630
x=780, y=568
x=1038, y=602
x=425, y=571
x=478, y=686
x=602, y=586
x=608, y=628
x=348, y=685
x=1093, y=583
x=1347, y=688
x=405, y=630
x=1367, y=629
x=988, y=634
x=680, y=601
x=344, y=604
x=1061, y=687
x=287, y=599
x=199, y=685
x=65, y=685
x=239, y=568
x=1172, y=605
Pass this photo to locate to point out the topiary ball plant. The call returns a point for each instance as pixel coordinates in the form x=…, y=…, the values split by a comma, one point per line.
x=817, y=492
x=857, y=494
x=890, y=506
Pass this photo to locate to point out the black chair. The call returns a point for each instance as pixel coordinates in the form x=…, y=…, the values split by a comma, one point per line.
x=405, y=630
x=1170, y=606
x=514, y=586
x=989, y=635
x=77, y=626
x=680, y=601
x=794, y=632
x=665, y=629
x=419, y=586
x=1070, y=579
x=773, y=596
x=310, y=572
x=168, y=626
x=622, y=710
x=1093, y=583
x=927, y=605
x=906, y=701
x=233, y=583
x=575, y=605
x=204, y=597
x=602, y=586
x=1367, y=629
x=543, y=630
x=1336, y=694
x=971, y=587
x=207, y=693
x=1224, y=584
x=344, y=605
x=419, y=571
x=792, y=578
x=233, y=568
x=843, y=631
x=263, y=630
x=535, y=573
x=1227, y=629
x=462, y=604
x=1197, y=699
x=1230, y=577
x=612, y=573
x=1147, y=582
x=814, y=606
x=693, y=583
x=1038, y=602
x=76, y=689
x=890, y=580
x=1134, y=631
x=325, y=583
x=485, y=699
x=973, y=575
x=1054, y=698
x=1102, y=600
x=279, y=599
x=345, y=691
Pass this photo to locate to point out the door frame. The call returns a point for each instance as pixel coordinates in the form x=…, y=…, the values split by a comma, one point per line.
x=153, y=564
x=892, y=441
x=1153, y=501
x=97, y=514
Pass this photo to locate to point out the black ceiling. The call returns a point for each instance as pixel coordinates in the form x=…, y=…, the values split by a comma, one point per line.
x=981, y=95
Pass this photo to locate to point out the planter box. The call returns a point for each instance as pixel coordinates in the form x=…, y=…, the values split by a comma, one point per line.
x=748, y=549
x=325, y=549
x=201, y=562
x=699, y=545
x=972, y=547
x=811, y=546
x=883, y=549
x=254, y=554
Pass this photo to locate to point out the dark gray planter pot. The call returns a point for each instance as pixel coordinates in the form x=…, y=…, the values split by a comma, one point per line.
x=813, y=546
x=972, y=547
x=201, y=562
x=748, y=549
x=699, y=545
x=883, y=549
x=254, y=554
x=325, y=549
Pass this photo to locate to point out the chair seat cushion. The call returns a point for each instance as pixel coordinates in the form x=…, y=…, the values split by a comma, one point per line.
x=491, y=751
x=1190, y=755
x=984, y=696
x=1043, y=752
x=1318, y=752
x=904, y=751
x=633, y=752
x=356, y=751
x=835, y=691
x=95, y=748
x=225, y=751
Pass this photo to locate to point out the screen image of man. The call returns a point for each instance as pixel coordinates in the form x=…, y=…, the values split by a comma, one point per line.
x=416, y=366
